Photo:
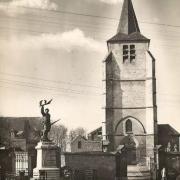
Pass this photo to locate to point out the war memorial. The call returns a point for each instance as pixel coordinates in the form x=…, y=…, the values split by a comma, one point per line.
x=48, y=164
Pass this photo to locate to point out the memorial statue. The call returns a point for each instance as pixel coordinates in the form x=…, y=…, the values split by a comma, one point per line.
x=46, y=119
x=47, y=162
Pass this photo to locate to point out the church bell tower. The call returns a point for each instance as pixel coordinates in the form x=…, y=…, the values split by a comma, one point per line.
x=130, y=92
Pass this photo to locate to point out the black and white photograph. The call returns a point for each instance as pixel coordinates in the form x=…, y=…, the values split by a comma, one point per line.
x=89, y=90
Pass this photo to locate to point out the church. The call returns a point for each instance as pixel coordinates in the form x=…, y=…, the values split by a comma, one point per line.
x=130, y=123
x=132, y=145
x=130, y=94
x=130, y=110
x=130, y=107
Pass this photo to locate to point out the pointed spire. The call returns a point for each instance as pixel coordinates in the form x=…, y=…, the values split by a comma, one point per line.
x=128, y=22
x=128, y=29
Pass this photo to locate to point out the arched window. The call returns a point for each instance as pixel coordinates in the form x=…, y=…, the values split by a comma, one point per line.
x=128, y=126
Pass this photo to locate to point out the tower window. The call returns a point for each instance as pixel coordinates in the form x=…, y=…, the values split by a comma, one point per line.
x=125, y=52
x=132, y=46
x=79, y=144
x=132, y=53
x=128, y=126
x=129, y=53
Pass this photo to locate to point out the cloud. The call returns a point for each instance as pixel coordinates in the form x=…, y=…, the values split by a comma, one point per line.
x=40, y=4
x=112, y=1
x=67, y=41
x=155, y=20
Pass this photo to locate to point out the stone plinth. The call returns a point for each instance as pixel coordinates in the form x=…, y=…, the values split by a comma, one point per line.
x=48, y=161
x=135, y=172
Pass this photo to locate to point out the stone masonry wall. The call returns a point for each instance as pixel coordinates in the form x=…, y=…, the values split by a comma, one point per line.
x=103, y=163
x=129, y=92
x=86, y=145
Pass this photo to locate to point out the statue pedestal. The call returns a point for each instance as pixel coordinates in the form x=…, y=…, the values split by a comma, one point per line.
x=48, y=161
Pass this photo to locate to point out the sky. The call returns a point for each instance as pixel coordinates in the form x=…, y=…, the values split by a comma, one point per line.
x=55, y=48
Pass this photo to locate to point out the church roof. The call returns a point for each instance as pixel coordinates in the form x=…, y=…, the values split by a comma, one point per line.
x=128, y=28
x=135, y=37
x=128, y=22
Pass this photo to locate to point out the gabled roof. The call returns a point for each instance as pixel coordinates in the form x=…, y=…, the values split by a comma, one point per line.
x=19, y=123
x=96, y=130
x=128, y=28
x=167, y=129
x=78, y=138
x=28, y=125
x=133, y=37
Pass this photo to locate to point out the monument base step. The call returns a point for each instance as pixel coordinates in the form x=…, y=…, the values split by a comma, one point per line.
x=135, y=172
x=49, y=173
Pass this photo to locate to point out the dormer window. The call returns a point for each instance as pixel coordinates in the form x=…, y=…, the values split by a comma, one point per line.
x=129, y=53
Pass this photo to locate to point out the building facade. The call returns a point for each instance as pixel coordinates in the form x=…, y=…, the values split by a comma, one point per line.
x=81, y=144
x=18, y=138
x=130, y=92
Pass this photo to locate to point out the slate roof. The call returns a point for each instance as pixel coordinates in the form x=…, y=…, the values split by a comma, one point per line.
x=128, y=22
x=133, y=37
x=167, y=130
x=128, y=28
x=95, y=131
x=18, y=123
x=79, y=137
x=27, y=125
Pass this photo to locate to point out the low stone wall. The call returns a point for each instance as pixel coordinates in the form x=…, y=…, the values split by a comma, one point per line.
x=106, y=166
x=171, y=162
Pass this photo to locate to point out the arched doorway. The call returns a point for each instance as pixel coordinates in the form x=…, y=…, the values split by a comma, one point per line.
x=128, y=128
x=130, y=147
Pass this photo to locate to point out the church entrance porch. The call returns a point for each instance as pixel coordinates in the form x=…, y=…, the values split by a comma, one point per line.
x=131, y=155
x=137, y=168
x=131, y=149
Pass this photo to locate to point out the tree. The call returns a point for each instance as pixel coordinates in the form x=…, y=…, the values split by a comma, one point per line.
x=76, y=132
x=58, y=134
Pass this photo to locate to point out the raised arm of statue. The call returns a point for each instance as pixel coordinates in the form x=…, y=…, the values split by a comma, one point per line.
x=42, y=111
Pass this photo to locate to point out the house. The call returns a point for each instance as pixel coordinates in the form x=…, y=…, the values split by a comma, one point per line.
x=96, y=134
x=23, y=132
x=169, y=138
x=81, y=144
x=18, y=138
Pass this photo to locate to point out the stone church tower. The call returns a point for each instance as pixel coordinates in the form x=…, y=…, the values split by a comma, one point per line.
x=130, y=92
